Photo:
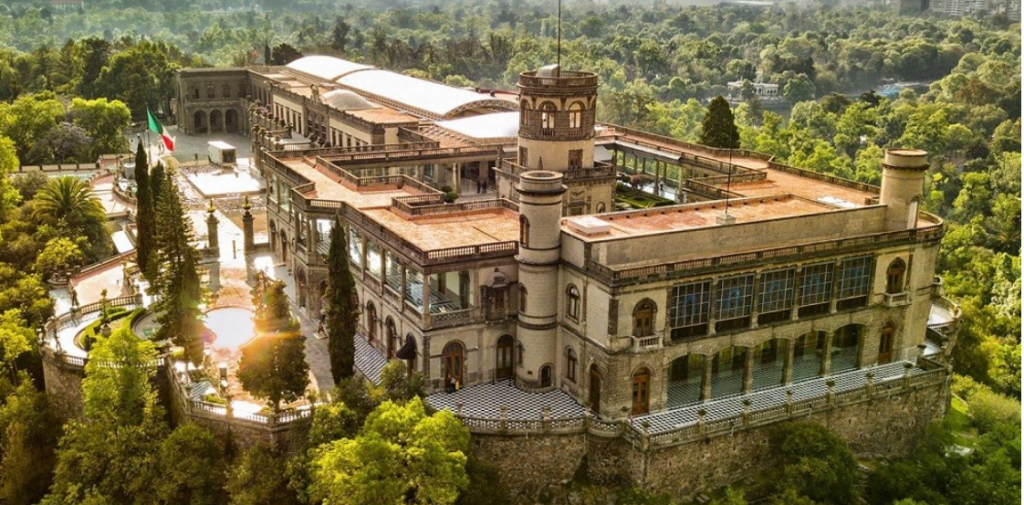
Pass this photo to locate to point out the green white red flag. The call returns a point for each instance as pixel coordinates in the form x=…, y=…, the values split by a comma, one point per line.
x=156, y=127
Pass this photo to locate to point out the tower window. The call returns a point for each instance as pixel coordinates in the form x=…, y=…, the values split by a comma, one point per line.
x=575, y=159
x=524, y=231
x=547, y=116
x=575, y=115
x=572, y=302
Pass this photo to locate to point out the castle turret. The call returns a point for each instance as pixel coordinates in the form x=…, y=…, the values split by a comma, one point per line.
x=556, y=119
x=540, y=205
x=902, y=187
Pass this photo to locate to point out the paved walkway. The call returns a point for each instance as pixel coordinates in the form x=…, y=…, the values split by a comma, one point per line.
x=486, y=400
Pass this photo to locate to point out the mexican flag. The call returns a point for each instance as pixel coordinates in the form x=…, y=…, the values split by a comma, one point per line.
x=156, y=127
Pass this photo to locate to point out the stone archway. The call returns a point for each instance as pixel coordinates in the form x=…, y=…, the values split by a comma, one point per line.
x=199, y=121
x=231, y=121
x=216, y=121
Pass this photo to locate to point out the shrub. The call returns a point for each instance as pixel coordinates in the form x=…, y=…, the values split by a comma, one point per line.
x=990, y=409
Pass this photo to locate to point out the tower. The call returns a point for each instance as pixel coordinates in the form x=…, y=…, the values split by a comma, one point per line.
x=902, y=187
x=540, y=235
x=556, y=134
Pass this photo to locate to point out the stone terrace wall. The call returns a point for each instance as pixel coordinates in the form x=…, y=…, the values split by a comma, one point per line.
x=886, y=425
x=528, y=463
x=63, y=384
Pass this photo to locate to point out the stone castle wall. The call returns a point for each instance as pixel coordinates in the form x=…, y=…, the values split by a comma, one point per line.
x=886, y=425
x=63, y=384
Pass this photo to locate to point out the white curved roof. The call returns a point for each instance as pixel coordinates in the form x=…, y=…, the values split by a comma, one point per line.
x=343, y=99
x=430, y=98
x=485, y=126
x=326, y=67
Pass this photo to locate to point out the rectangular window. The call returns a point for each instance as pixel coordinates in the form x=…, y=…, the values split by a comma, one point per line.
x=777, y=290
x=373, y=259
x=816, y=284
x=210, y=92
x=355, y=248
x=575, y=158
x=689, y=307
x=855, y=277
x=226, y=91
x=523, y=152
x=734, y=298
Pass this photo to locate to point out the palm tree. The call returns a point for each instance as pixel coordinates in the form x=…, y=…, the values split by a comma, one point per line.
x=69, y=200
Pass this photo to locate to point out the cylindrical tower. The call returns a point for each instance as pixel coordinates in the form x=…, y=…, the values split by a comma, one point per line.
x=902, y=187
x=556, y=119
x=540, y=208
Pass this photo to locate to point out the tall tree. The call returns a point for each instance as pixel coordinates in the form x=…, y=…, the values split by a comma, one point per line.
x=175, y=278
x=273, y=364
x=145, y=214
x=402, y=455
x=71, y=207
x=29, y=429
x=719, y=126
x=342, y=310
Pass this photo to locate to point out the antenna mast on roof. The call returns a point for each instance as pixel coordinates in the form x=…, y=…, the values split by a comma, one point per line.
x=559, y=57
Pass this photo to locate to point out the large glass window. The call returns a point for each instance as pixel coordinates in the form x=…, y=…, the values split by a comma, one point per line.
x=735, y=297
x=355, y=248
x=373, y=261
x=855, y=278
x=393, y=272
x=689, y=307
x=776, y=295
x=816, y=284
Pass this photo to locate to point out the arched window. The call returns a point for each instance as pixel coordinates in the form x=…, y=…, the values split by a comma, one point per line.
x=643, y=318
x=570, y=364
x=522, y=298
x=572, y=302
x=524, y=231
x=545, y=376
x=600, y=207
x=894, y=276
x=641, y=391
x=575, y=115
x=389, y=329
x=524, y=113
x=547, y=115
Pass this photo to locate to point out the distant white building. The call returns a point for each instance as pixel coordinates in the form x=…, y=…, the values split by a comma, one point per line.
x=964, y=7
x=761, y=90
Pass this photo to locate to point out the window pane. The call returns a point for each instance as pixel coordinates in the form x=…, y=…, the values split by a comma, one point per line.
x=735, y=297
x=689, y=304
x=855, y=277
x=777, y=290
x=816, y=284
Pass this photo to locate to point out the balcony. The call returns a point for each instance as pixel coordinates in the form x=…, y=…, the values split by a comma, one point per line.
x=897, y=299
x=648, y=343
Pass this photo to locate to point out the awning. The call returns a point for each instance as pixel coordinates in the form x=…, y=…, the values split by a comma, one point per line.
x=601, y=154
x=408, y=350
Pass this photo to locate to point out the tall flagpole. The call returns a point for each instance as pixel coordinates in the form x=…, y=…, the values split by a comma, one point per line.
x=559, y=57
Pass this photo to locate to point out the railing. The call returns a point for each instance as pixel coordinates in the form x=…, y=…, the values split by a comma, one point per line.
x=424, y=206
x=831, y=179
x=708, y=190
x=324, y=152
x=648, y=343
x=453, y=318
x=398, y=156
x=495, y=249
x=565, y=79
x=897, y=299
x=688, y=267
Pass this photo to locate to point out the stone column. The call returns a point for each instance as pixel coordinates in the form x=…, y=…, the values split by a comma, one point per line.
x=826, y=355
x=247, y=228
x=787, y=364
x=426, y=295
x=211, y=230
x=748, y=371
x=794, y=312
x=705, y=380
x=403, y=289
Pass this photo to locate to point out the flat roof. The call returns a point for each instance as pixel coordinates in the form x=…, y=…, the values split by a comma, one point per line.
x=778, y=182
x=220, y=144
x=383, y=115
x=485, y=226
x=327, y=187
x=700, y=215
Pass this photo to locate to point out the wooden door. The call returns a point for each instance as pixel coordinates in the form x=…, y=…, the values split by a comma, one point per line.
x=641, y=391
x=595, y=390
x=452, y=357
x=643, y=320
x=885, y=345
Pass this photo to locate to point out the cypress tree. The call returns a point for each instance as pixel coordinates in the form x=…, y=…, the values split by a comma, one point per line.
x=342, y=310
x=176, y=281
x=145, y=214
x=273, y=364
x=719, y=127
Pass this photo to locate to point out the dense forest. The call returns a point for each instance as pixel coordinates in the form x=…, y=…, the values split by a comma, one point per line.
x=70, y=82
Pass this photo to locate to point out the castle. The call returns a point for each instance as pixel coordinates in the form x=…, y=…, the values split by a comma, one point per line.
x=768, y=274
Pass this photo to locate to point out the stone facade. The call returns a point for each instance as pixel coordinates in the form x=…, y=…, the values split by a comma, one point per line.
x=63, y=383
x=883, y=426
x=210, y=101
